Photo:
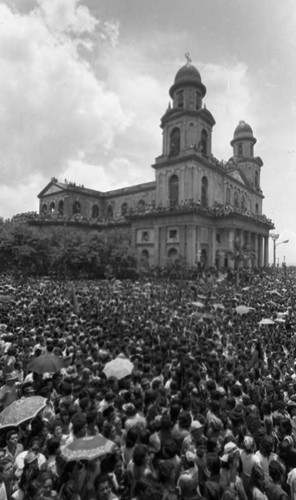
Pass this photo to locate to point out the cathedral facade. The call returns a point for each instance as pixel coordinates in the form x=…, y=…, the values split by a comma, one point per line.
x=207, y=212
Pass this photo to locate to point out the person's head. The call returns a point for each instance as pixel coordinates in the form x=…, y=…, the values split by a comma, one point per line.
x=102, y=487
x=214, y=466
x=169, y=448
x=47, y=483
x=185, y=420
x=266, y=446
x=275, y=471
x=58, y=430
x=249, y=444
x=79, y=425
x=140, y=455
x=131, y=437
x=52, y=446
x=6, y=469
x=166, y=472
x=11, y=439
x=257, y=477
x=196, y=429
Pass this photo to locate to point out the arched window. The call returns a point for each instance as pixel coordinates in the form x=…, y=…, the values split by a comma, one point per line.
x=110, y=211
x=240, y=149
x=204, y=142
x=257, y=208
x=256, y=178
x=52, y=207
x=145, y=254
x=173, y=254
x=243, y=202
x=175, y=141
x=174, y=190
x=44, y=209
x=228, y=196
x=76, y=208
x=203, y=258
x=141, y=205
x=235, y=200
x=204, y=191
x=180, y=99
x=124, y=208
x=61, y=207
x=95, y=212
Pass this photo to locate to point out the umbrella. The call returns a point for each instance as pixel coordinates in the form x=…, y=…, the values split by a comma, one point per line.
x=218, y=306
x=6, y=298
x=118, y=368
x=21, y=410
x=266, y=321
x=49, y=363
x=242, y=309
x=198, y=304
x=88, y=448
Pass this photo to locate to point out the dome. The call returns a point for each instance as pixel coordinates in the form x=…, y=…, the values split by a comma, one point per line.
x=243, y=131
x=188, y=75
x=188, y=72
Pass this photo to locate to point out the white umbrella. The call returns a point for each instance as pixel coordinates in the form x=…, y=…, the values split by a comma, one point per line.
x=198, y=304
x=119, y=368
x=266, y=321
x=218, y=306
x=242, y=309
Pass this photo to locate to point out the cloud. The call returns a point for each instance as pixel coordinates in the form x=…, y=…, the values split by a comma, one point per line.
x=53, y=107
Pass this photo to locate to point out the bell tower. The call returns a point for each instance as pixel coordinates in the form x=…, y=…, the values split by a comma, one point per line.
x=187, y=124
x=243, y=152
x=187, y=139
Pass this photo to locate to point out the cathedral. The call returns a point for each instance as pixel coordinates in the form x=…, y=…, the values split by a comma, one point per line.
x=199, y=209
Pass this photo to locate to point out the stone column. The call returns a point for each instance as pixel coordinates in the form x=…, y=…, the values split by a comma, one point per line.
x=191, y=250
x=255, y=248
x=266, y=251
x=213, y=249
x=260, y=250
x=195, y=184
x=156, y=246
x=231, y=247
x=197, y=248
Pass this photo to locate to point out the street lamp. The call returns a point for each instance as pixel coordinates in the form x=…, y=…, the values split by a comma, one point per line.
x=275, y=237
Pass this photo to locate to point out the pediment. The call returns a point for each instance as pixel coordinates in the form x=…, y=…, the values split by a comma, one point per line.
x=235, y=174
x=52, y=190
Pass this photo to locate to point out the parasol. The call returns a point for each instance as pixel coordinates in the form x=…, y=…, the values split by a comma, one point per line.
x=119, y=368
x=49, y=363
x=242, y=309
x=198, y=304
x=88, y=448
x=21, y=410
x=218, y=306
x=266, y=321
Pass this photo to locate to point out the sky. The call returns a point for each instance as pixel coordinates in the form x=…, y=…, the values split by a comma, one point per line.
x=84, y=84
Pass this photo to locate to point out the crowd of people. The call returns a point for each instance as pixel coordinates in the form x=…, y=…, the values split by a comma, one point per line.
x=208, y=409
